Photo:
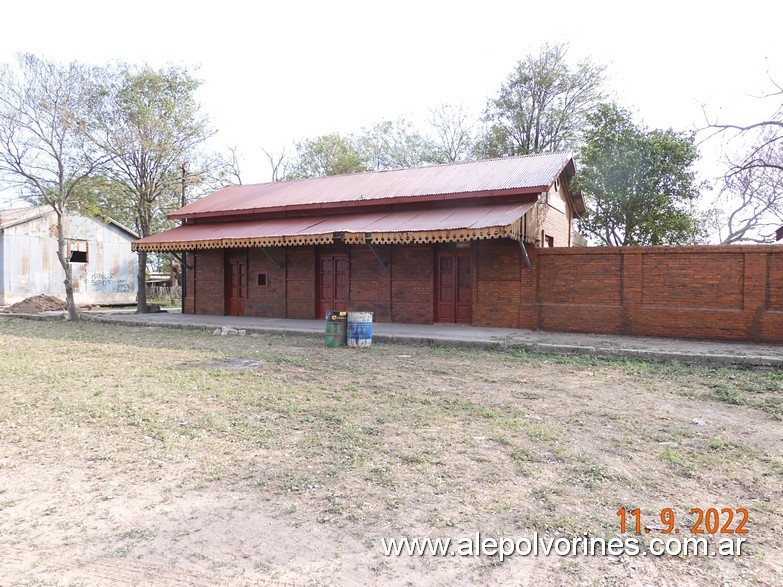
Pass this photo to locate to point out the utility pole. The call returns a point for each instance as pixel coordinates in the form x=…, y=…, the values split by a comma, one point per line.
x=182, y=199
x=183, y=261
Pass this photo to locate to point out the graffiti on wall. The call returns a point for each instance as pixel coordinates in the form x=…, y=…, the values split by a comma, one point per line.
x=104, y=282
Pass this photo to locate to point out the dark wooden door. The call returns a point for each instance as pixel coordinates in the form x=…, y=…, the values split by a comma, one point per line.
x=454, y=283
x=332, y=283
x=236, y=284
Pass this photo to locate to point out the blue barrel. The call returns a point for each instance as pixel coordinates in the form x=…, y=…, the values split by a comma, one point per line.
x=359, y=329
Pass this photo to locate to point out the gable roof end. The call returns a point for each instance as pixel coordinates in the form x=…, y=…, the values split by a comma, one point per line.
x=15, y=216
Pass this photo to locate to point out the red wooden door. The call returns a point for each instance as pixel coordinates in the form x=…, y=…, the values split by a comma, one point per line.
x=332, y=283
x=454, y=283
x=236, y=285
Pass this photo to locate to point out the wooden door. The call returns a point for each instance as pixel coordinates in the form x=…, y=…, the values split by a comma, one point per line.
x=236, y=283
x=454, y=287
x=332, y=283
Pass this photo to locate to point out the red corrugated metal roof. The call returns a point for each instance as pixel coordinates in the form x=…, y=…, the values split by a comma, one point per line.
x=441, y=219
x=521, y=174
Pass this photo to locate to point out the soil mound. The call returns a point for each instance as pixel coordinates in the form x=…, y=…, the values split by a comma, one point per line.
x=38, y=304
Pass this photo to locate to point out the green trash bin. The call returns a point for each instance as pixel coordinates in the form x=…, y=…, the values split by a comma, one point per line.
x=336, y=325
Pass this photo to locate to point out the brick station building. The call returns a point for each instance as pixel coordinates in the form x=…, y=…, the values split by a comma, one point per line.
x=448, y=243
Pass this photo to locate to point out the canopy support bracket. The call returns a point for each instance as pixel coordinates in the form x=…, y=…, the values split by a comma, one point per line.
x=271, y=258
x=368, y=242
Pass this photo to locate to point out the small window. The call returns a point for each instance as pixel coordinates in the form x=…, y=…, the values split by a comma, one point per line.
x=550, y=241
x=77, y=251
x=262, y=280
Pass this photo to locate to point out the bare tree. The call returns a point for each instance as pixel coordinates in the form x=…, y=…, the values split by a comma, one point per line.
x=211, y=171
x=279, y=164
x=767, y=146
x=750, y=205
x=753, y=184
x=232, y=171
x=453, y=132
x=43, y=147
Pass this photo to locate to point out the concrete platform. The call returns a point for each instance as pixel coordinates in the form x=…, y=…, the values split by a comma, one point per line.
x=689, y=351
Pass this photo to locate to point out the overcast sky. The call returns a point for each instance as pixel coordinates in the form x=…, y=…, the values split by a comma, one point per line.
x=275, y=72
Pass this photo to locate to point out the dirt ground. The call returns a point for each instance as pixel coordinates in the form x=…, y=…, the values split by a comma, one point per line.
x=165, y=457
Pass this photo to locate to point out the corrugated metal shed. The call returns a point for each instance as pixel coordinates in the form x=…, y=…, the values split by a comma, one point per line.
x=526, y=174
x=468, y=222
x=104, y=274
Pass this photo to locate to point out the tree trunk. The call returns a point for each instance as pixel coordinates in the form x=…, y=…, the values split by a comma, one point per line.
x=62, y=256
x=141, y=284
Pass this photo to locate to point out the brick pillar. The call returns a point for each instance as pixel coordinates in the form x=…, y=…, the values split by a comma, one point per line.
x=528, y=290
x=631, y=284
x=754, y=291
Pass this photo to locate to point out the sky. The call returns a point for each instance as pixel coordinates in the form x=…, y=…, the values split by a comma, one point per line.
x=277, y=72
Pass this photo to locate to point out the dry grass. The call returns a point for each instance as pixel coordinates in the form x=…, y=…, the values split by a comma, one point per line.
x=128, y=453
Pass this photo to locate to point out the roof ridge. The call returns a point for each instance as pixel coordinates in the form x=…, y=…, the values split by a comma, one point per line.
x=466, y=162
x=563, y=153
x=499, y=176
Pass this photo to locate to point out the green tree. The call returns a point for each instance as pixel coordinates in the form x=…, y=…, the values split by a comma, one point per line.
x=44, y=151
x=330, y=154
x=541, y=106
x=149, y=122
x=639, y=184
x=394, y=145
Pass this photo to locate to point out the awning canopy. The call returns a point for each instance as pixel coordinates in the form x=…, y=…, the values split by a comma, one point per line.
x=437, y=225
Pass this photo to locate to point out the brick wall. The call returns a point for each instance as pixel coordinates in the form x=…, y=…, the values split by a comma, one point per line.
x=499, y=283
x=369, y=282
x=588, y=286
x=728, y=293
x=207, y=290
x=412, y=284
x=716, y=292
x=300, y=283
x=268, y=301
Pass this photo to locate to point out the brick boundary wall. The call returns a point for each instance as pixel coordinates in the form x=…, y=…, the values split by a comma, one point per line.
x=706, y=292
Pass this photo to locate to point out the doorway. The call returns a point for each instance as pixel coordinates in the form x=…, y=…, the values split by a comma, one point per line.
x=236, y=282
x=332, y=283
x=453, y=287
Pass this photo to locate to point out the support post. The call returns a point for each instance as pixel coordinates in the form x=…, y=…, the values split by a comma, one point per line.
x=183, y=200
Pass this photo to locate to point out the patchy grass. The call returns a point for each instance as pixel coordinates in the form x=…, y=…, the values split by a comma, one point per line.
x=354, y=445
